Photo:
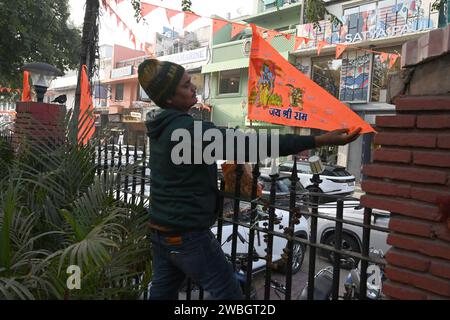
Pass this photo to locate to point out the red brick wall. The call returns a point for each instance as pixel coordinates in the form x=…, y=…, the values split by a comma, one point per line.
x=410, y=177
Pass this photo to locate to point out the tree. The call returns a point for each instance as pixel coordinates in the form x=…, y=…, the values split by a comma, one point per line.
x=35, y=31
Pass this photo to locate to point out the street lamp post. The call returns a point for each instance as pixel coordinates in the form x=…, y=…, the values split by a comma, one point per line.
x=38, y=121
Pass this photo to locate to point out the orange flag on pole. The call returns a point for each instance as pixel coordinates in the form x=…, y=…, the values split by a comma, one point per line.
x=279, y=93
x=86, y=117
x=26, y=92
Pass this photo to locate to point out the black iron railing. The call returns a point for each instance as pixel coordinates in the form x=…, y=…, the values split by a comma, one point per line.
x=260, y=215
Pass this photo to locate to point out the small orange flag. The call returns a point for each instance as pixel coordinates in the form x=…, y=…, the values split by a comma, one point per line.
x=189, y=17
x=298, y=42
x=279, y=93
x=26, y=92
x=383, y=57
x=86, y=117
x=392, y=58
x=218, y=24
x=236, y=28
x=171, y=13
x=147, y=8
x=320, y=45
x=339, y=49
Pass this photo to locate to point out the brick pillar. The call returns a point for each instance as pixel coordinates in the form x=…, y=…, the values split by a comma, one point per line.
x=410, y=176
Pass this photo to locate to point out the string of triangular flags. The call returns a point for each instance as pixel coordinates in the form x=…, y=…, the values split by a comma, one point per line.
x=9, y=90
x=236, y=28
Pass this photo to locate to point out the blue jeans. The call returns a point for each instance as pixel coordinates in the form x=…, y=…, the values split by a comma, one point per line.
x=195, y=254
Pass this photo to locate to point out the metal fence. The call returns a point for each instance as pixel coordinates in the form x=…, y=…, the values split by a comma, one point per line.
x=246, y=219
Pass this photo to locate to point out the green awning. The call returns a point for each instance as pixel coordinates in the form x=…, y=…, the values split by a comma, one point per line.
x=231, y=64
x=226, y=65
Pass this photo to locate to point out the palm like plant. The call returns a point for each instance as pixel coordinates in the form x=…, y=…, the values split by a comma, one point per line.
x=55, y=212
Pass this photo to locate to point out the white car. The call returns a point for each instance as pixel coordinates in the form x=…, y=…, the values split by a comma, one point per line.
x=351, y=234
x=335, y=179
x=279, y=243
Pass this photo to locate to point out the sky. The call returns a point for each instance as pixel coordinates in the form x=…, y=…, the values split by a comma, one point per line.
x=145, y=30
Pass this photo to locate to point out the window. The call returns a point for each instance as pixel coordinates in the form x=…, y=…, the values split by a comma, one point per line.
x=326, y=73
x=355, y=76
x=119, y=92
x=100, y=91
x=380, y=75
x=229, y=81
x=142, y=95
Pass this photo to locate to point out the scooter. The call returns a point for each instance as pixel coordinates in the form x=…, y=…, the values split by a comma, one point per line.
x=323, y=282
x=375, y=277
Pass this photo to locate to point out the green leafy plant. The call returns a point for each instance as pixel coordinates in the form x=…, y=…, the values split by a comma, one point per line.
x=315, y=11
x=56, y=212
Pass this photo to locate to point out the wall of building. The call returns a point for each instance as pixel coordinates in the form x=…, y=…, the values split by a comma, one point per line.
x=123, y=53
x=129, y=94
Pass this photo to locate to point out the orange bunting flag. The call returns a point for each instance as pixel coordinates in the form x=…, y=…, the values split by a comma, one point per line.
x=392, y=59
x=287, y=36
x=26, y=91
x=298, y=42
x=146, y=8
x=171, y=13
x=383, y=57
x=118, y=20
x=320, y=45
x=218, y=24
x=339, y=49
x=270, y=35
x=86, y=117
x=189, y=17
x=236, y=28
x=279, y=93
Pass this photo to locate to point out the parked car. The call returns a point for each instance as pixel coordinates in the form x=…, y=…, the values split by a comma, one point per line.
x=351, y=234
x=282, y=189
x=335, y=179
x=279, y=243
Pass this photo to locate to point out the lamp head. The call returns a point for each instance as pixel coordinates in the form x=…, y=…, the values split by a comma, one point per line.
x=316, y=165
x=42, y=74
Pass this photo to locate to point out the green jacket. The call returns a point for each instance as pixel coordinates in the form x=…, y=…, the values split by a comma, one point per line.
x=184, y=196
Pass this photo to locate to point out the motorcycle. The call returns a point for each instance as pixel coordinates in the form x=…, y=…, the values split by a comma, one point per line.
x=375, y=277
x=323, y=282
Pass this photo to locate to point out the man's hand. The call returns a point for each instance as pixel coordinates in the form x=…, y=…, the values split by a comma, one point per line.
x=338, y=137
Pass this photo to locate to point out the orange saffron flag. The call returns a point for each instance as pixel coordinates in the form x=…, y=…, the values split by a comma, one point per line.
x=279, y=93
x=86, y=118
x=26, y=92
